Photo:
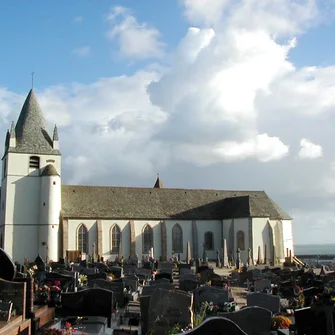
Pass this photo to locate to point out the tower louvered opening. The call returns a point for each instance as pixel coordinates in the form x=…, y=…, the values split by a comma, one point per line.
x=34, y=162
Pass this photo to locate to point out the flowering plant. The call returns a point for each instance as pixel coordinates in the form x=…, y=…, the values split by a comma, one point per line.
x=82, y=279
x=67, y=331
x=213, y=309
x=280, y=322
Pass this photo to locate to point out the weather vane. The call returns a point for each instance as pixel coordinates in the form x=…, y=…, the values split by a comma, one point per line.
x=32, y=79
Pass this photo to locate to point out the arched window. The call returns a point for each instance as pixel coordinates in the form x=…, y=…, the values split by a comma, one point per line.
x=177, y=239
x=115, y=239
x=147, y=239
x=34, y=162
x=240, y=240
x=82, y=239
x=208, y=240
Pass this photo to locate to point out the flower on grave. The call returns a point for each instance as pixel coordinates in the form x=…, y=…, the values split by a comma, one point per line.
x=280, y=322
x=82, y=279
x=110, y=276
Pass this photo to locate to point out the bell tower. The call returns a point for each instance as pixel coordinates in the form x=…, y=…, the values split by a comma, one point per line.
x=30, y=186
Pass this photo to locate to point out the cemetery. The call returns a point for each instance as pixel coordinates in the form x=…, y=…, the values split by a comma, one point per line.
x=156, y=297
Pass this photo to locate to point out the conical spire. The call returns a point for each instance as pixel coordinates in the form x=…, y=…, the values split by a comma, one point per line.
x=158, y=183
x=31, y=129
x=12, y=130
x=7, y=139
x=55, y=135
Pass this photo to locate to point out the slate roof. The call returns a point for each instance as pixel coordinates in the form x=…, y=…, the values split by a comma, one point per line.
x=31, y=130
x=97, y=202
x=49, y=170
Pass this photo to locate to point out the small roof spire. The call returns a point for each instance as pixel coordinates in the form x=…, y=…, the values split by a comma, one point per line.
x=158, y=183
x=7, y=139
x=12, y=130
x=55, y=135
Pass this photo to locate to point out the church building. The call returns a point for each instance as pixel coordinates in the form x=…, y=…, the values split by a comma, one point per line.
x=40, y=215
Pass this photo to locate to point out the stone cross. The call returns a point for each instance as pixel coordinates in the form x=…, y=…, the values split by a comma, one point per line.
x=224, y=254
x=218, y=261
x=238, y=258
x=249, y=257
x=188, y=253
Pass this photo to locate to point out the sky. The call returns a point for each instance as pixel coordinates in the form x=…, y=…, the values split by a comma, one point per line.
x=214, y=94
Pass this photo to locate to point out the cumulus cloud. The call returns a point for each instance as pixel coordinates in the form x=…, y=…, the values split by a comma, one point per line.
x=309, y=150
x=82, y=51
x=225, y=113
x=136, y=40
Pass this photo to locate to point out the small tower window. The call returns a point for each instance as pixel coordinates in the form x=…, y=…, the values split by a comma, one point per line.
x=34, y=162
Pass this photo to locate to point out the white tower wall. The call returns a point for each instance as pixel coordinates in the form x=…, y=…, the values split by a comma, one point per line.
x=50, y=206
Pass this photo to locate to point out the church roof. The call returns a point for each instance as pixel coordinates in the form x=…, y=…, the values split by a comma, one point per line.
x=97, y=202
x=31, y=130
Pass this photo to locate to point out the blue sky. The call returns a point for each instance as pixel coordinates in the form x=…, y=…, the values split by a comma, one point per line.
x=209, y=93
x=42, y=35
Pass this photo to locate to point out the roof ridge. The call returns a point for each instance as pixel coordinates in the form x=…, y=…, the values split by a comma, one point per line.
x=162, y=189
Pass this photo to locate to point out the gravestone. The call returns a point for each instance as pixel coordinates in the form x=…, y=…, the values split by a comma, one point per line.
x=216, y=326
x=270, y=302
x=131, y=281
x=5, y=311
x=40, y=263
x=211, y=294
x=117, y=271
x=167, y=308
x=90, y=302
x=165, y=267
x=252, y=320
x=99, y=275
x=149, y=290
x=29, y=293
x=144, y=306
x=129, y=269
x=166, y=275
x=261, y=285
x=16, y=293
x=7, y=266
x=116, y=287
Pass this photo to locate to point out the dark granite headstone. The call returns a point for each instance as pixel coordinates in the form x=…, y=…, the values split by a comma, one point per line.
x=99, y=275
x=90, y=302
x=29, y=293
x=270, y=302
x=116, y=287
x=5, y=311
x=168, y=308
x=16, y=293
x=40, y=263
x=216, y=326
x=7, y=267
x=144, y=305
x=245, y=318
x=211, y=294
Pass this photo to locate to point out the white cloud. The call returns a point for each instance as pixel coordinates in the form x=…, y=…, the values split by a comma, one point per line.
x=136, y=40
x=225, y=113
x=82, y=51
x=78, y=19
x=310, y=150
x=204, y=11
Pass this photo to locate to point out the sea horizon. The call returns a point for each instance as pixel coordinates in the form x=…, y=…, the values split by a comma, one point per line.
x=314, y=249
